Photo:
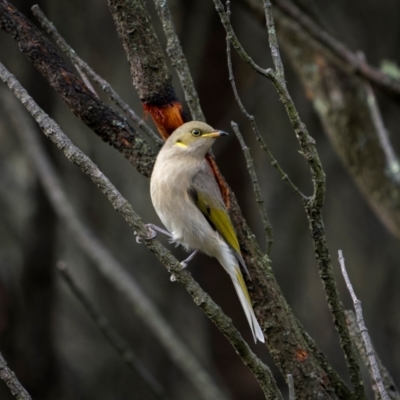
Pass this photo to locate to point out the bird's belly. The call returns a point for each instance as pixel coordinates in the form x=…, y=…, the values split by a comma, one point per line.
x=186, y=223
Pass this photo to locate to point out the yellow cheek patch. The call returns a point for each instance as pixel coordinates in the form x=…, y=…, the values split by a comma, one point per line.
x=180, y=144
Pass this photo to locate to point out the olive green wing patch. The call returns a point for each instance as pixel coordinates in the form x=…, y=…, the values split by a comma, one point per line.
x=218, y=218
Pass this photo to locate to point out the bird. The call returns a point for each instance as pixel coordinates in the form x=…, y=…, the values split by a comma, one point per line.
x=187, y=199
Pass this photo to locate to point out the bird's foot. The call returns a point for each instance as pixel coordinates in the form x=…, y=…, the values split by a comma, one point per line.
x=151, y=232
x=184, y=264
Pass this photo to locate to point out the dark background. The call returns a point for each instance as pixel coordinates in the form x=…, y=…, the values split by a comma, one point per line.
x=47, y=337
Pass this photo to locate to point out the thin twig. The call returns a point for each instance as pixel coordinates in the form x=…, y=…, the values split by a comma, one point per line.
x=256, y=187
x=179, y=62
x=107, y=264
x=312, y=205
x=86, y=80
x=112, y=336
x=9, y=378
x=387, y=379
x=253, y=124
x=314, y=212
x=202, y=299
x=292, y=394
x=273, y=41
x=105, y=86
x=364, y=331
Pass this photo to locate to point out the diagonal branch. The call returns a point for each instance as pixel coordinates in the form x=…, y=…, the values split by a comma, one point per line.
x=102, y=119
x=9, y=378
x=84, y=67
x=312, y=205
x=106, y=263
x=111, y=335
x=202, y=299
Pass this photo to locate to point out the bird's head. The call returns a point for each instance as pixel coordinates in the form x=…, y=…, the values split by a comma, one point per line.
x=194, y=137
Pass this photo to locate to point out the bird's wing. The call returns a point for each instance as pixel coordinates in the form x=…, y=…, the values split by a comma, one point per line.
x=205, y=193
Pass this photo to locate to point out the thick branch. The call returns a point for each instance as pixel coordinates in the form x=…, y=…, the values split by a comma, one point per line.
x=312, y=205
x=150, y=74
x=102, y=119
x=291, y=351
x=106, y=263
x=202, y=299
x=85, y=68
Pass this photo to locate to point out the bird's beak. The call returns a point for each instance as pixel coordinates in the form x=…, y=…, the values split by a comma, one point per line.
x=215, y=134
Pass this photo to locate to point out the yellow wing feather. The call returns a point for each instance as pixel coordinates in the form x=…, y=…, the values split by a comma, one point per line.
x=219, y=218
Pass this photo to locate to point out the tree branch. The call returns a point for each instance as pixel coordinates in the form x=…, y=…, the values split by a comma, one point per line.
x=112, y=336
x=102, y=119
x=9, y=378
x=256, y=188
x=82, y=65
x=388, y=381
x=202, y=299
x=352, y=62
x=107, y=264
x=175, y=53
x=312, y=205
x=364, y=331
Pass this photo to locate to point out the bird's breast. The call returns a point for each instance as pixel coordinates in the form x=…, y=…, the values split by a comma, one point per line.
x=176, y=210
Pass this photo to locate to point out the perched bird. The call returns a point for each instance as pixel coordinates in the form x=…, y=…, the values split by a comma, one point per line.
x=188, y=201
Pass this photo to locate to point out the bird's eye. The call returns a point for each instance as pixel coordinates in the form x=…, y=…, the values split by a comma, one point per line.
x=196, y=132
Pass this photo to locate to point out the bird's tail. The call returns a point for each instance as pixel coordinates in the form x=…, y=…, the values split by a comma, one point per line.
x=243, y=294
x=230, y=264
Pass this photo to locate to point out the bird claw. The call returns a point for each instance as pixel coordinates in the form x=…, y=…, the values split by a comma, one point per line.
x=150, y=235
x=184, y=265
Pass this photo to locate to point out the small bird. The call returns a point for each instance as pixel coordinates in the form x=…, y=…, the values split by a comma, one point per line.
x=188, y=201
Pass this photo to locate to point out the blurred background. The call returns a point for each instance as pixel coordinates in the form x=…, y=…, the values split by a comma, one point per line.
x=45, y=334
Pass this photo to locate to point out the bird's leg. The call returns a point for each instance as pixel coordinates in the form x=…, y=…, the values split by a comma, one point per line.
x=152, y=229
x=184, y=264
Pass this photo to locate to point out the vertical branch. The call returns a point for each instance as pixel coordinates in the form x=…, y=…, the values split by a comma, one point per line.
x=312, y=205
x=179, y=62
x=314, y=212
x=364, y=331
x=151, y=78
x=387, y=379
x=273, y=41
x=256, y=187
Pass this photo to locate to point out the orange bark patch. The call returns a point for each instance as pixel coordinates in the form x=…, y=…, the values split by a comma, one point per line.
x=301, y=355
x=167, y=118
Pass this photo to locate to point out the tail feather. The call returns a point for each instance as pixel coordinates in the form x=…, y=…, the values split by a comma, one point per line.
x=241, y=290
x=230, y=264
